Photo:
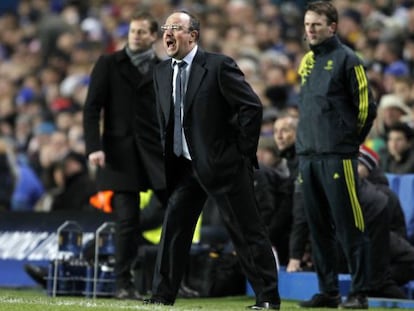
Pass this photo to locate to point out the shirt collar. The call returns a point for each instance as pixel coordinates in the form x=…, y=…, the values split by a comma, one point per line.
x=188, y=58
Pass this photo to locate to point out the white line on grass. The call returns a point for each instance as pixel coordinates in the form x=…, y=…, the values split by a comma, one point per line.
x=89, y=304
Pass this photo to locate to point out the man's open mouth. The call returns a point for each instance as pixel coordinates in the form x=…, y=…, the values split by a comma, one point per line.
x=170, y=42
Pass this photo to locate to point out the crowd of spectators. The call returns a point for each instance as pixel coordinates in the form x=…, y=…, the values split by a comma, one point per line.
x=48, y=48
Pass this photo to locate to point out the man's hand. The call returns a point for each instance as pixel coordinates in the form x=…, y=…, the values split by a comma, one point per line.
x=97, y=158
x=293, y=265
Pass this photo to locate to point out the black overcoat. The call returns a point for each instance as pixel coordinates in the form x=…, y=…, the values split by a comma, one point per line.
x=129, y=135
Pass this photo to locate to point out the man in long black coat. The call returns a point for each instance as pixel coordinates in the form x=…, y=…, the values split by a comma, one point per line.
x=127, y=152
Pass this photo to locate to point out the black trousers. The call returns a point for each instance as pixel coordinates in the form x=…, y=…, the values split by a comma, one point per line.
x=128, y=237
x=126, y=210
x=332, y=208
x=240, y=215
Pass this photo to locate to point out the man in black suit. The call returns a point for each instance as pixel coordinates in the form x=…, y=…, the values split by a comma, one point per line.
x=128, y=154
x=210, y=144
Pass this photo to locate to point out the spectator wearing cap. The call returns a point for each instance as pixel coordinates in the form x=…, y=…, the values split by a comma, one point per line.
x=391, y=110
x=397, y=69
x=369, y=168
x=387, y=227
x=394, y=71
x=368, y=161
x=382, y=214
x=398, y=157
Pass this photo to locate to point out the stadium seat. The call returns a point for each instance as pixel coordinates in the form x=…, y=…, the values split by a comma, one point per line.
x=394, y=181
x=406, y=195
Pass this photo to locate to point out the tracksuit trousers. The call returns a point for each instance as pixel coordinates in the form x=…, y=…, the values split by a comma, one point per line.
x=333, y=212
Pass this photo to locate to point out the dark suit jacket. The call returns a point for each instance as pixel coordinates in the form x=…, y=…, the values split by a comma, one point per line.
x=221, y=121
x=130, y=136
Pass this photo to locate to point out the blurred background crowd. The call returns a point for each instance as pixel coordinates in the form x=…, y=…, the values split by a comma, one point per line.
x=48, y=48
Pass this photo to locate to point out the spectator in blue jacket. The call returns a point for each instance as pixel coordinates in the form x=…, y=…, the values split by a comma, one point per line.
x=18, y=181
x=28, y=189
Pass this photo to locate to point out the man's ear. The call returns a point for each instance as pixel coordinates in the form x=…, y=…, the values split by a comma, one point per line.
x=333, y=27
x=194, y=36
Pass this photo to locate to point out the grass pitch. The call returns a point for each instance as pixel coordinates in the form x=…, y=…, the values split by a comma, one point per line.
x=37, y=300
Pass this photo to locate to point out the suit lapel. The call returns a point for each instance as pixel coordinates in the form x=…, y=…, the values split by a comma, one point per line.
x=194, y=80
x=164, y=82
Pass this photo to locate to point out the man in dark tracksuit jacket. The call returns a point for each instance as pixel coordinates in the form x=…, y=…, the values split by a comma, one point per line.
x=336, y=112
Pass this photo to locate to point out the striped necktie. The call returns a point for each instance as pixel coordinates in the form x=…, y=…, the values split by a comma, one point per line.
x=179, y=101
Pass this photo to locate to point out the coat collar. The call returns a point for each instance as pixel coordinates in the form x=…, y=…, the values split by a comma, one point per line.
x=326, y=46
x=130, y=73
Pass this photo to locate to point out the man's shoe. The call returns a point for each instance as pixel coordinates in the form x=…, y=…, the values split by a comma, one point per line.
x=321, y=301
x=37, y=273
x=264, y=306
x=157, y=301
x=186, y=292
x=128, y=293
x=355, y=301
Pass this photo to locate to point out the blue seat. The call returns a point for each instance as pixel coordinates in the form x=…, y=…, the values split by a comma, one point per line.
x=302, y=285
x=406, y=195
x=394, y=181
x=409, y=289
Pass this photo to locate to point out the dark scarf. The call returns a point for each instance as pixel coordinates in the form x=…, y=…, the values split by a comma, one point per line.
x=141, y=60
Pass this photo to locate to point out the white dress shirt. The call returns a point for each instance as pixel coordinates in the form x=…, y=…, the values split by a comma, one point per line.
x=189, y=60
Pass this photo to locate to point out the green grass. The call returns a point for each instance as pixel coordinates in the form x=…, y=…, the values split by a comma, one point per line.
x=37, y=300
